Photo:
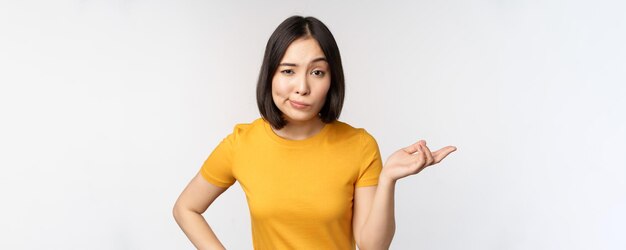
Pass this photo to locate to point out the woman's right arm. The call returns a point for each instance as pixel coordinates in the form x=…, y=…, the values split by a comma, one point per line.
x=192, y=202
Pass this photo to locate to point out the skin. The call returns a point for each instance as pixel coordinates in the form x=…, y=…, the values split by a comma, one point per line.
x=304, y=77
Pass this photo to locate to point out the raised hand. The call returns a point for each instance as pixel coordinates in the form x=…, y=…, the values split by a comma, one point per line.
x=413, y=159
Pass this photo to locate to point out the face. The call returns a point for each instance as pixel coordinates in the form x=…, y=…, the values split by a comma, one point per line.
x=300, y=83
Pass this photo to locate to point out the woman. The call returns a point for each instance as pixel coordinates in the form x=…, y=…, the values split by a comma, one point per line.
x=311, y=181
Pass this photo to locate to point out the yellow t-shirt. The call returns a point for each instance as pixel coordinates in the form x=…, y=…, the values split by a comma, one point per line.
x=299, y=192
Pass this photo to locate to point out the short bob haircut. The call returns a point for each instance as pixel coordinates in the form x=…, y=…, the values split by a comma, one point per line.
x=293, y=28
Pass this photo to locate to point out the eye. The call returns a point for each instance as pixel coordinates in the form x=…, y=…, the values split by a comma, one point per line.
x=287, y=71
x=318, y=73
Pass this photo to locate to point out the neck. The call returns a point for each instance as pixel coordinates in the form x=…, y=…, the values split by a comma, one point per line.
x=300, y=130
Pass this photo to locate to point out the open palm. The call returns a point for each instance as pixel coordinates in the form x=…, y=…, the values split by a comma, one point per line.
x=413, y=159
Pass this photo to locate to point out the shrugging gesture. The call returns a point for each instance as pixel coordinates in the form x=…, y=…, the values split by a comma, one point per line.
x=413, y=159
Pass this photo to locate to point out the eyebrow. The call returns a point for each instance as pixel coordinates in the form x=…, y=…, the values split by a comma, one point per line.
x=294, y=65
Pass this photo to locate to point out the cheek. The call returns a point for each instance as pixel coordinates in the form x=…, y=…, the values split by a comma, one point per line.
x=280, y=87
x=324, y=87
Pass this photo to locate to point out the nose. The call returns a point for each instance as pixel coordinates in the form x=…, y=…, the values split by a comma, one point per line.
x=302, y=86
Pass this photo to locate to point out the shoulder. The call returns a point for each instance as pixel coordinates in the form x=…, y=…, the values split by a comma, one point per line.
x=245, y=129
x=347, y=131
x=240, y=128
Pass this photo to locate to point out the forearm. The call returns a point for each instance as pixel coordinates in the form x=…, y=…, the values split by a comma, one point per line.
x=197, y=230
x=380, y=226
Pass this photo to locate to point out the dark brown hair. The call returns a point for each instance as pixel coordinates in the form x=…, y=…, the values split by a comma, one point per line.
x=289, y=30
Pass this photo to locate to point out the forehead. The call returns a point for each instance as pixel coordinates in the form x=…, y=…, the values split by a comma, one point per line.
x=303, y=50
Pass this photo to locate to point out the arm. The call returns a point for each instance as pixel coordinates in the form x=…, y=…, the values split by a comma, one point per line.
x=194, y=200
x=374, y=222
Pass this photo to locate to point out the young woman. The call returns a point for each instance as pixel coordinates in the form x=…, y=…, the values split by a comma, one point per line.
x=311, y=181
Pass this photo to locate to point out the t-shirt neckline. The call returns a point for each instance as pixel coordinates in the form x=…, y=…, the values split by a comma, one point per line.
x=295, y=143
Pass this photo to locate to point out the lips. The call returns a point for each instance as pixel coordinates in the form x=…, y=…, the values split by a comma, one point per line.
x=299, y=103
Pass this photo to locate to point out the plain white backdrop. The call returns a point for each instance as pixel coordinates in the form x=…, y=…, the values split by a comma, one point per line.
x=109, y=108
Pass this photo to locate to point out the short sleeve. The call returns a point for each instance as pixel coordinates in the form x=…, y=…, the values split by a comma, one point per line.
x=217, y=168
x=372, y=165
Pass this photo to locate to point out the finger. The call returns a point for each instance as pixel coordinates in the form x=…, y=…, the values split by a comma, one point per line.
x=429, y=156
x=413, y=148
x=420, y=161
x=442, y=153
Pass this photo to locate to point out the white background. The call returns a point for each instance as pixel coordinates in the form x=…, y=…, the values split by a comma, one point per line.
x=109, y=108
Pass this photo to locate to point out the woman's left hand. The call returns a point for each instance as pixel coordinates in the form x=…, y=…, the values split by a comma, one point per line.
x=413, y=159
